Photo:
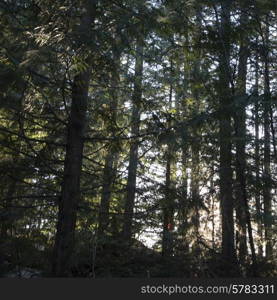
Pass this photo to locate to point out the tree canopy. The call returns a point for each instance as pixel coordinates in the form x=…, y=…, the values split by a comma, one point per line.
x=138, y=138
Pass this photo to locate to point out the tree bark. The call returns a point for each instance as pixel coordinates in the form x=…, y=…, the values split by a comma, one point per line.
x=109, y=173
x=169, y=197
x=182, y=105
x=240, y=132
x=225, y=134
x=257, y=161
x=267, y=159
x=133, y=154
x=196, y=134
x=70, y=194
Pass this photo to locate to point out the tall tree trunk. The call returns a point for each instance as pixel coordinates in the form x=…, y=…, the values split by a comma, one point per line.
x=267, y=173
x=133, y=154
x=111, y=158
x=225, y=133
x=257, y=162
x=169, y=199
x=242, y=207
x=240, y=132
x=196, y=135
x=70, y=194
x=183, y=199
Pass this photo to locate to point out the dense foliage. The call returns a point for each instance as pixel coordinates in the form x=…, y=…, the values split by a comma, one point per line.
x=137, y=138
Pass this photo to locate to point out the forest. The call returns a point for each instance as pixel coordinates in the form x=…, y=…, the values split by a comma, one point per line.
x=138, y=138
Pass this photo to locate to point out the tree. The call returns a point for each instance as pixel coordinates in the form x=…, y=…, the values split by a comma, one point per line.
x=109, y=172
x=225, y=142
x=240, y=129
x=266, y=175
x=70, y=195
x=133, y=153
